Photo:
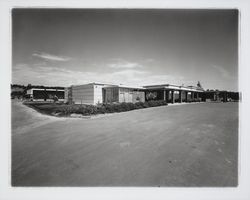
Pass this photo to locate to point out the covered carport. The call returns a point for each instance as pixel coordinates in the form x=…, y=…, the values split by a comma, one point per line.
x=174, y=93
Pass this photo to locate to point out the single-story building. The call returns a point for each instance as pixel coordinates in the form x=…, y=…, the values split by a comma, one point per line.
x=94, y=93
x=220, y=95
x=45, y=94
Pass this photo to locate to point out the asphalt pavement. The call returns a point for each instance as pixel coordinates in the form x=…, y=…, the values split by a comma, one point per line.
x=184, y=146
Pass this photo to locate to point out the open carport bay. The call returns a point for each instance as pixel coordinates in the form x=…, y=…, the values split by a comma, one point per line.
x=186, y=145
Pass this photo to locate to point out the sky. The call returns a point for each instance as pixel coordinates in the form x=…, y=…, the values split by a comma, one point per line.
x=63, y=47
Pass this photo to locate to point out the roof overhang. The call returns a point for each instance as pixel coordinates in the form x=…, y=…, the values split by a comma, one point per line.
x=173, y=87
x=44, y=89
x=124, y=86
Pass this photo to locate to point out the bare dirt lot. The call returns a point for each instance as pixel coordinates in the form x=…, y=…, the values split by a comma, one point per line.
x=186, y=145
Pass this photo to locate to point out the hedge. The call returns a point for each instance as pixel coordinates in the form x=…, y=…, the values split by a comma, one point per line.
x=66, y=110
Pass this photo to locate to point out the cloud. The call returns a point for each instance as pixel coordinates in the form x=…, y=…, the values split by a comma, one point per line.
x=224, y=73
x=50, y=57
x=40, y=74
x=44, y=74
x=121, y=64
x=149, y=60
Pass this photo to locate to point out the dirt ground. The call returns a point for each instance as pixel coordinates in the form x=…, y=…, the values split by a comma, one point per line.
x=186, y=145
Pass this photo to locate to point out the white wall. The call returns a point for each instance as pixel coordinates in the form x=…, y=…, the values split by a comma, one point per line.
x=30, y=91
x=66, y=95
x=83, y=94
x=98, y=94
x=88, y=94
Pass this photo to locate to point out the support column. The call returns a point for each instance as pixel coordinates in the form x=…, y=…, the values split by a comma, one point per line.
x=198, y=96
x=192, y=96
x=167, y=95
x=172, y=96
x=164, y=95
x=180, y=96
x=195, y=96
x=186, y=96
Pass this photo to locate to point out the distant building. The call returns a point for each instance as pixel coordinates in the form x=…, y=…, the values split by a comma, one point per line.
x=220, y=95
x=45, y=94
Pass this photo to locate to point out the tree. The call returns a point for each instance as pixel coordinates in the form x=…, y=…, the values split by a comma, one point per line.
x=199, y=84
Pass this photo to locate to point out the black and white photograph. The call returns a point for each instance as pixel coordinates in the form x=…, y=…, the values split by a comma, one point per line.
x=125, y=98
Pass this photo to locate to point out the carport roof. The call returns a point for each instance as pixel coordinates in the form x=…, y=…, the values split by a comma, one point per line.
x=174, y=87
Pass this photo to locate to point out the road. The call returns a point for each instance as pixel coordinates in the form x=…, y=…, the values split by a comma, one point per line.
x=187, y=145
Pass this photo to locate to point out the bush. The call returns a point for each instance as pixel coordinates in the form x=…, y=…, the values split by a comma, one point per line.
x=156, y=103
x=127, y=106
x=109, y=108
x=65, y=110
x=88, y=110
x=146, y=105
x=139, y=105
x=68, y=109
x=101, y=109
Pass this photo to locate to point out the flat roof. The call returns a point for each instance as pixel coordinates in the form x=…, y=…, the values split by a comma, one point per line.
x=126, y=86
x=174, y=87
x=94, y=83
x=47, y=89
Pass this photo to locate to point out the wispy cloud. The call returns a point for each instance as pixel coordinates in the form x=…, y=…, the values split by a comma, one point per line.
x=149, y=60
x=122, y=64
x=50, y=57
x=224, y=73
x=46, y=74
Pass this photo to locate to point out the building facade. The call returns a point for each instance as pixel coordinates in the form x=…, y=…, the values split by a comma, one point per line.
x=45, y=94
x=91, y=93
x=220, y=95
x=119, y=94
x=98, y=93
x=173, y=93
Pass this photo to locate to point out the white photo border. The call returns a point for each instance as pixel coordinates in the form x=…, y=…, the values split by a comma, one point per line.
x=220, y=193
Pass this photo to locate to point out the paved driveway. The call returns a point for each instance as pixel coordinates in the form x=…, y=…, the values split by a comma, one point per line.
x=186, y=145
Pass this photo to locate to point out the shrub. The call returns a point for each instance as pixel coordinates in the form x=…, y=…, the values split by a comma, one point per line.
x=139, y=105
x=109, y=108
x=88, y=110
x=156, y=103
x=101, y=109
x=69, y=109
x=126, y=106
x=116, y=108
x=145, y=105
x=65, y=110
